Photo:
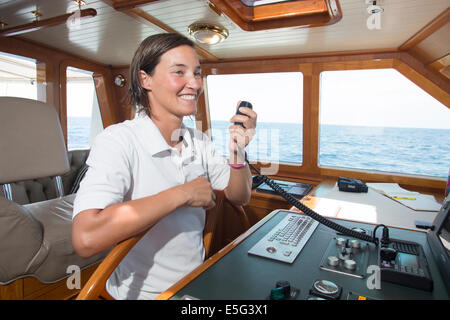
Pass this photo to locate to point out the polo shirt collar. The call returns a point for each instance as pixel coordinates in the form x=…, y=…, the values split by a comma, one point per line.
x=150, y=137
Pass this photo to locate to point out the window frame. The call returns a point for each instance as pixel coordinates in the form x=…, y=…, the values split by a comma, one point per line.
x=43, y=75
x=358, y=124
x=104, y=94
x=311, y=66
x=265, y=161
x=411, y=74
x=308, y=13
x=203, y=116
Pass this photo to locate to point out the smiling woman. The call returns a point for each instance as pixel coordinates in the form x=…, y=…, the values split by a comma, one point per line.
x=174, y=87
x=151, y=173
x=143, y=65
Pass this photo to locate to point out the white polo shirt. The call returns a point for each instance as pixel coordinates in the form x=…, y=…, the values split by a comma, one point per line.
x=132, y=160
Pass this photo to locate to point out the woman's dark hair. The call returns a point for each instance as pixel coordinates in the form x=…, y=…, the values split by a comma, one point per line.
x=146, y=58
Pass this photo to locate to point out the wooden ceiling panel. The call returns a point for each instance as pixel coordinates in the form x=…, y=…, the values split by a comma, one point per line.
x=112, y=36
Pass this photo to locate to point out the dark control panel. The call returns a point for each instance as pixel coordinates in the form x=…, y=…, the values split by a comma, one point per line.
x=331, y=266
x=405, y=263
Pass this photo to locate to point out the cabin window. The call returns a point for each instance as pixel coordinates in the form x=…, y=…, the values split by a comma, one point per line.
x=278, y=100
x=83, y=113
x=18, y=76
x=380, y=120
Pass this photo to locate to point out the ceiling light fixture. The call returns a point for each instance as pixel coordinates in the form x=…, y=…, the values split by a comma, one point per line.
x=373, y=7
x=208, y=33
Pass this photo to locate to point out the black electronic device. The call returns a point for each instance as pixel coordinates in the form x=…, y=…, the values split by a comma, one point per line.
x=351, y=185
x=296, y=189
x=420, y=224
x=256, y=181
x=438, y=238
x=242, y=104
x=404, y=262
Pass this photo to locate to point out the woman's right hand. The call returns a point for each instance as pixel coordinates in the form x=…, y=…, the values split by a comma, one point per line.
x=198, y=193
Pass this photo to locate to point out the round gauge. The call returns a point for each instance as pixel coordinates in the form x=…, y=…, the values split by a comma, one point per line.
x=119, y=80
x=326, y=287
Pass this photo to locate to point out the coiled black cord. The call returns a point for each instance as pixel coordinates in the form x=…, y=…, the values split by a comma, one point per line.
x=311, y=213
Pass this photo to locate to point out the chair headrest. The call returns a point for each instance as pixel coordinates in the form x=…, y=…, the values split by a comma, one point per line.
x=31, y=141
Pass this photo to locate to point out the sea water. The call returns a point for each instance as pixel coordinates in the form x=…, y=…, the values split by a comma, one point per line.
x=397, y=150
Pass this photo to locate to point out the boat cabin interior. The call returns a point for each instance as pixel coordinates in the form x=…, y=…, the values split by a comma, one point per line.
x=351, y=95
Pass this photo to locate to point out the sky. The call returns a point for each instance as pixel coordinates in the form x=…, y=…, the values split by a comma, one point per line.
x=381, y=97
x=270, y=94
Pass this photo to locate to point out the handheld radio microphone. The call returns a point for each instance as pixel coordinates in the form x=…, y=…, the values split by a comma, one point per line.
x=243, y=104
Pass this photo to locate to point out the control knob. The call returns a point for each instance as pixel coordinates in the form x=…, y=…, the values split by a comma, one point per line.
x=333, y=261
x=341, y=242
x=350, y=264
x=355, y=244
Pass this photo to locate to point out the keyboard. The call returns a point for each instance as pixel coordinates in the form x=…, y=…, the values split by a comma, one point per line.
x=285, y=241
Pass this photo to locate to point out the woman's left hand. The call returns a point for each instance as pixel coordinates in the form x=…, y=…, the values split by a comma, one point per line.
x=240, y=136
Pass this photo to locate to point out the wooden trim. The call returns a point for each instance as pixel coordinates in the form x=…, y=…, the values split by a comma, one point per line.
x=428, y=183
x=428, y=30
x=29, y=288
x=145, y=18
x=202, y=117
x=277, y=10
x=43, y=24
x=106, y=98
x=248, y=65
x=307, y=13
x=125, y=110
x=439, y=64
x=311, y=57
x=311, y=98
x=433, y=83
x=95, y=286
x=385, y=63
x=121, y=5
